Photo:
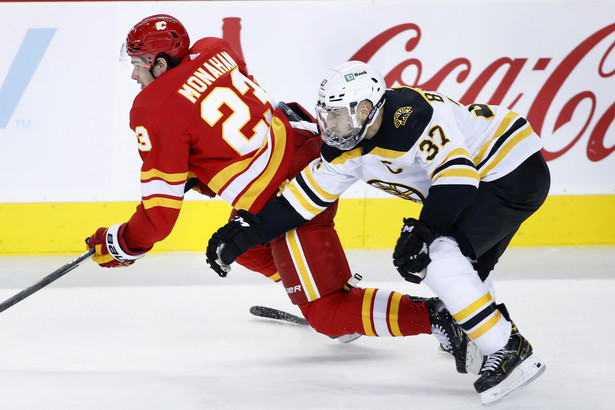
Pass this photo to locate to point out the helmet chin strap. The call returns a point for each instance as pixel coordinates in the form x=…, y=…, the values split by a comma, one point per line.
x=151, y=69
x=370, y=118
x=167, y=59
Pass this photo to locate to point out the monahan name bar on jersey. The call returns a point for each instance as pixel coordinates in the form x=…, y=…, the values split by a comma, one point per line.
x=205, y=75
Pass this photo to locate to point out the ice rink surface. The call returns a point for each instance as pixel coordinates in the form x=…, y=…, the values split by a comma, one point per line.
x=168, y=334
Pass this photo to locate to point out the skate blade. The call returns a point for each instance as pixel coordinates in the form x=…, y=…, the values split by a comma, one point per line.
x=474, y=358
x=524, y=374
x=348, y=338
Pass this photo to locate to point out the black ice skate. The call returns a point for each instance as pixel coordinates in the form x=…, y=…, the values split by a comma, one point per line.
x=452, y=338
x=508, y=369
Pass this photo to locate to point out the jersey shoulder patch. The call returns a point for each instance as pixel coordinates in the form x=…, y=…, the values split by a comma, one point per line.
x=407, y=114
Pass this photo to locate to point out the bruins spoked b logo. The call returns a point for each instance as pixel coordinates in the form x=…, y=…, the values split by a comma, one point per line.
x=401, y=116
x=400, y=190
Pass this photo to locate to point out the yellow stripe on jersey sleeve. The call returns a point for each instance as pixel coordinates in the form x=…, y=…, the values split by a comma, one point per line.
x=164, y=202
x=313, y=184
x=387, y=153
x=458, y=173
x=508, y=146
x=306, y=204
x=459, y=170
x=353, y=153
x=501, y=129
x=222, y=177
x=154, y=173
x=457, y=152
x=258, y=186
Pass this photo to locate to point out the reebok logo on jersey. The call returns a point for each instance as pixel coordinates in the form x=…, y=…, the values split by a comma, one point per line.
x=293, y=289
x=401, y=116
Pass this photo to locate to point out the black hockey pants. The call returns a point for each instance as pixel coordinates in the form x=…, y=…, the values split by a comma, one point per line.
x=487, y=226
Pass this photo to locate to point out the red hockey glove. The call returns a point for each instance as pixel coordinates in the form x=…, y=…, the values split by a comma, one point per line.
x=111, y=250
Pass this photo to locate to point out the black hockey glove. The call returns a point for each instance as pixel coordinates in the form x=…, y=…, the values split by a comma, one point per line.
x=232, y=240
x=411, y=255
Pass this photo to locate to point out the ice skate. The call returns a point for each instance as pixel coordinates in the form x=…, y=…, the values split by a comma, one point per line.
x=452, y=338
x=508, y=369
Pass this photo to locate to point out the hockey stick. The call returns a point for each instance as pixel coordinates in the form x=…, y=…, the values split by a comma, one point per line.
x=276, y=314
x=271, y=313
x=47, y=280
x=190, y=183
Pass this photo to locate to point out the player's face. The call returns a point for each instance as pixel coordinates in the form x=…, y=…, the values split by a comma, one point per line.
x=141, y=74
x=336, y=121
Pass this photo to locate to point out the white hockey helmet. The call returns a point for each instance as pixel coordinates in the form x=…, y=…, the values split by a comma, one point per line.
x=338, y=99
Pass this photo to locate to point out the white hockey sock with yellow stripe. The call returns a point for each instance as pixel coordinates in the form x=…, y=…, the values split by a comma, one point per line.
x=450, y=275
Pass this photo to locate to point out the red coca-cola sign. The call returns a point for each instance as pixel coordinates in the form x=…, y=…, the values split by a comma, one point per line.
x=459, y=69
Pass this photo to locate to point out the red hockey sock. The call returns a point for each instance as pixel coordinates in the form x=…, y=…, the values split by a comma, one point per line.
x=371, y=312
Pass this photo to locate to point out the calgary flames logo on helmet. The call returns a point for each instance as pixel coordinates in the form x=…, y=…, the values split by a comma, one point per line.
x=157, y=34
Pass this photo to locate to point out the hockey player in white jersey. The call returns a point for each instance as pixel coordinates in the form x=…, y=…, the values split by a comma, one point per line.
x=476, y=169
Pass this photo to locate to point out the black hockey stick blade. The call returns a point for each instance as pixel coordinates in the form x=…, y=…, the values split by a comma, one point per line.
x=47, y=280
x=276, y=314
x=271, y=313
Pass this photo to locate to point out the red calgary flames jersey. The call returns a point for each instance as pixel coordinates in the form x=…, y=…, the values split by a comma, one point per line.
x=205, y=118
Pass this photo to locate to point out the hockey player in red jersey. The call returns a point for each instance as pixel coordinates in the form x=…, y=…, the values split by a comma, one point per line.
x=478, y=172
x=200, y=116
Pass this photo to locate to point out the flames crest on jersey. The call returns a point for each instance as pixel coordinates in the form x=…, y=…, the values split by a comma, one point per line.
x=401, y=116
x=400, y=190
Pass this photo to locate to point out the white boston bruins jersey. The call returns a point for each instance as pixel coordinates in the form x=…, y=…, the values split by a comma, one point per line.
x=425, y=139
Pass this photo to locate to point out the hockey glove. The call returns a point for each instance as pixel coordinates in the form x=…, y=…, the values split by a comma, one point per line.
x=111, y=250
x=411, y=255
x=232, y=240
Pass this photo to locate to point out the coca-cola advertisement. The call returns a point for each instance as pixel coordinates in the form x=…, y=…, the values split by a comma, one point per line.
x=552, y=62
